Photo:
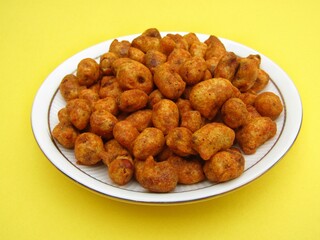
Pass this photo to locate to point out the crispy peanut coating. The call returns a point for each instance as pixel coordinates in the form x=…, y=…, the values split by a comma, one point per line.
x=255, y=133
x=247, y=74
x=192, y=70
x=189, y=170
x=121, y=170
x=234, y=112
x=106, y=61
x=153, y=58
x=136, y=54
x=268, y=104
x=65, y=134
x=208, y=96
x=146, y=43
x=107, y=103
x=198, y=49
x=212, y=138
x=89, y=95
x=169, y=82
x=70, y=87
x=110, y=87
x=121, y=49
x=88, y=72
x=102, y=123
x=227, y=66
x=224, y=166
x=179, y=140
x=141, y=119
x=165, y=115
x=87, y=148
x=261, y=81
x=112, y=150
x=133, y=100
x=125, y=133
x=158, y=176
x=215, y=48
x=79, y=112
x=149, y=143
x=134, y=75
x=191, y=120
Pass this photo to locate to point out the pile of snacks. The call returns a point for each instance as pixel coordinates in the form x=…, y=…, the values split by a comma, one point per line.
x=167, y=110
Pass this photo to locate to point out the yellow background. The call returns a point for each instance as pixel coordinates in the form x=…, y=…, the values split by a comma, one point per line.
x=38, y=202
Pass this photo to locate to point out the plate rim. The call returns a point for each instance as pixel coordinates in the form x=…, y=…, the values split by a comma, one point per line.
x=95, y=51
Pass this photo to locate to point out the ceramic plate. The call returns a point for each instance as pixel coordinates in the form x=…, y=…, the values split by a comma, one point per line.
x=48, y=101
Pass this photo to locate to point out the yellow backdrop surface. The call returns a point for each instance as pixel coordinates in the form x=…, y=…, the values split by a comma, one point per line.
x=39, y=202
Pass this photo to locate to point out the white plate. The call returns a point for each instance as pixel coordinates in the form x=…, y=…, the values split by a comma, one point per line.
x=48, y=102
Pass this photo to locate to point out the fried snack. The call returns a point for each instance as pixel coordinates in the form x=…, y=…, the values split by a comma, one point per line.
x=208, y=96
x=234, y=112
x=133, y=100
x=107, y=103
x=269, y=105
x=215, y=48
x=157, y=176
x=106, y=61
x=149, y=143
x=212, y=63
x=89, y=95
x=247, y=74
x=252, y=113
x=255, y=133
x=138, y=169
x=227, y=66
x=248, y=97
x=88, y=72
x=141, y=119
x=207, y=75
x=261, y=81
x=179, y=140
x=112, y=150
x=153, y=58
x=134, y=75
x=121, y=49
x=165, y=153
x=110, y=87
x=179, y=40
x=70, y=87
x=167, y=45
x=186, y=92
x=177, y=57
x=65, y=134
x=191, y=38
x=102, y=123
x=63, y=116
x=189, y=171
x=224, y=166
x=183, y=105
x=136, y=54
x=192, y=70
x=125, y=133
x=152, y=32
x=165, y=115
x=79, y=112
x=211, y=138
x=87, y=148
x=146, y=43
x=154, y=97
x=169, y=82
x=191, y=120
x=198, y=49
x=121, y=170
